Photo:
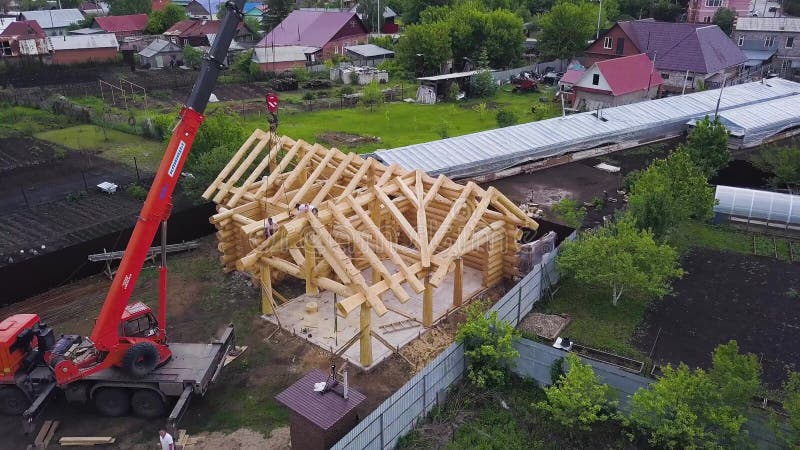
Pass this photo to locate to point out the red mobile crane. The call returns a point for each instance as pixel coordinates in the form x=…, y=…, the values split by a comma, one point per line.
x=126, y=362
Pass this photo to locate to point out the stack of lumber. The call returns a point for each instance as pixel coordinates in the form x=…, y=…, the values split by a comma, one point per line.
x=409, y=228
x=85, y=441
x=45, y=435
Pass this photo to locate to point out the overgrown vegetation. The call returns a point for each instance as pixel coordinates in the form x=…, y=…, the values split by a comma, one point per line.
x=506, y=118
x=570, y=212
x=707, y=145
x=782, y=162
x=488, y=344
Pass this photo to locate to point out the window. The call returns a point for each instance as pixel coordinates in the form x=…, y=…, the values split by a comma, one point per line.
x=664, y=76
x=596, y=79
x=740, y=42
x=769, y=41
x=620, y=45
x=607, y=43
x=786, y=64
x=707, y=19
x=5, y=48
x=790, y=42
x=714, y=3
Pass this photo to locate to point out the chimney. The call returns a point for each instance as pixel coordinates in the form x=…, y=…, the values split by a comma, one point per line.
x=345, y=384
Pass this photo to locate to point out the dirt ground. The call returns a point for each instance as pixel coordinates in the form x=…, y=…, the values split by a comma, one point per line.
x=338, y=139
x=201, y=300
x=723, y=296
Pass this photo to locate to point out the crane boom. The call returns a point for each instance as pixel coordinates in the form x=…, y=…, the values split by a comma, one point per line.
x=158, y=204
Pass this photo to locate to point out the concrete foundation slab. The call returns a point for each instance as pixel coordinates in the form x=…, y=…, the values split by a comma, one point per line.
x=318, y=327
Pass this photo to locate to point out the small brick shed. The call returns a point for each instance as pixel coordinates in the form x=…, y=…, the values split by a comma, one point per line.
x=319, y=420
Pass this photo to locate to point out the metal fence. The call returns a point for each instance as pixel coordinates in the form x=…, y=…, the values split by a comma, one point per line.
x=398, y=414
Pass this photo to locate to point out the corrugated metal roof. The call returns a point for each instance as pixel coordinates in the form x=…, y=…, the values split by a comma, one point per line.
x=119, y=24
x=777, y=24
x=495, y=150
x=323, y=410
x=368, y=50
x=773, y=207
x=158, y=46
x=755, y=123
x=55, y=18
x=265, y=55
x=82, y=42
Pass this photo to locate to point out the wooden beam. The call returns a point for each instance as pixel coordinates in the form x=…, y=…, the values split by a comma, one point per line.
x=223, y=191
x=422, y=222
x=350, y=303
x=407, y=192
x=273, y=153
x=331, y=182
x=353, y=184
x=298, y=197
x=232, y=163
x=398, y=216
x=448, y=220
x=338, y=265
x=285, y=161
x=433, y=190
x=365, y=349
x=310, y=255
x=458, y=283
x=427, y=303
x=387, y=174
x=266, y=290
x=298, y=170
x=390, y=249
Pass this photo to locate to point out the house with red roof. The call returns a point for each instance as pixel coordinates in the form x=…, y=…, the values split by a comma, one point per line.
x=195, y=32
x=309, y=37
x=683, y=53
x=158, y=5
x=616, y=82
x=22, y=38
x=122, y=26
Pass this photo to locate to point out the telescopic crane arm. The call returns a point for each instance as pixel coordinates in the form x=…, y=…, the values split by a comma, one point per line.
x=158, y=204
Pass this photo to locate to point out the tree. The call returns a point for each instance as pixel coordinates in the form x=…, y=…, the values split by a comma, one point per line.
x=708, y=145
x=277, y=10
x=412, y=9
x=622, y=259
x=371, y=14
x=192, y=57
x=668, y=192
x=665, y=11
x=372, y=95
x=431, y=41
x=696, y=409
x=791, y=404
x=570, y=212
x=565, y=29
x=578, y=400
x=160, y=21
x=124, y=7
x=723, y=18
x=488, y=345
x=482, y=84
x=792, y=7
x=506, y=118
x=782, y=162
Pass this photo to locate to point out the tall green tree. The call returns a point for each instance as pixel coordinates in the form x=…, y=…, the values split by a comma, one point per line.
x=160, y=21
x=371, y=14
x=708, y=145
x=670, y=191
x=192, y=58
x=698, y=409
x=565, y=29
x=124, y=7
x=277, y=10
x=782, y=162
x=723, y=18
x=791, y=403
x=578, y=400
x=412, y=9
x=432, y=41
x=665, y=11
x=621, y=259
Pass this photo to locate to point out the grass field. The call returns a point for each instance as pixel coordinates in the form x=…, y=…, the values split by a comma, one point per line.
x=111, y=144
x=695, y=234
x=19, y=119
x=399, y=124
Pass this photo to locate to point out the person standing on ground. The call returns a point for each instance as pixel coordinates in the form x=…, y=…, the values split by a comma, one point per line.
x=166, y=440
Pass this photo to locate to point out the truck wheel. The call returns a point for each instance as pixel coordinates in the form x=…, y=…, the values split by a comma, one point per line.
x=13, y=402
x=140, y=359
x=114, y=402
x=147, y=403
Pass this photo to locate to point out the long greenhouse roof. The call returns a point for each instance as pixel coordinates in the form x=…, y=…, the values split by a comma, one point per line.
x=754, y=123
x=495, y=150
x=773, y=207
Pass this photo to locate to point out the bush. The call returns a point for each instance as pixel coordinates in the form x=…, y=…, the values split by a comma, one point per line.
x=578, y=400
x=136, y=191
x=373, y=95
x=452, y=93
x=483, y=85
x=570, y=212
x=308, y=96
x=444, y=130
x=346, y=90
x=506, y=118
x=488, y=345
x=395, y=70
x=301, y=74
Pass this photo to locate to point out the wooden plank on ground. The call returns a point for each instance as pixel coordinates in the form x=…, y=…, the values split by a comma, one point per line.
x=85, y=441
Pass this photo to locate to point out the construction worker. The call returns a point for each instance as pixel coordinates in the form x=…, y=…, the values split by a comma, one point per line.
x=269, y=228
x=167, y=443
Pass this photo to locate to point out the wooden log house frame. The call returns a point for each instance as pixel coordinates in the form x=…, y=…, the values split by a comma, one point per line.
x=368, y=213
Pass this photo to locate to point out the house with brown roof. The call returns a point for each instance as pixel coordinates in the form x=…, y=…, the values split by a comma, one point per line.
x=122, y=26
x=195, y=32
x=23, y=38
x=309, y=37
x=683, y=53
x=617, y=82
x=95, y=48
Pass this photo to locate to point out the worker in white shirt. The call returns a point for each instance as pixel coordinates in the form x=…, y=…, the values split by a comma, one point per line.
x=166, y=440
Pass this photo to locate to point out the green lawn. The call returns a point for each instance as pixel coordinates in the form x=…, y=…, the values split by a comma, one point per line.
x=112, y=144
x=695, y=234
x=19, y=119
x=595, y=321
x=398, y=124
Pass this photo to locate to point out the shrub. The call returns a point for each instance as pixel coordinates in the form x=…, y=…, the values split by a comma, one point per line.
x=346, y=90
x=308, y=96
x=136, y=191
x=570, y=212
x=444, y=130
x=452, y=93
x=506, y=118
x=578, y=400
x=301, y=74
x=373, y=95
x=488, y=344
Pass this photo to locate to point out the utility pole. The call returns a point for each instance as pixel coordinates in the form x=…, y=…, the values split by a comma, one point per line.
x=719, y=99
x=599, y=11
